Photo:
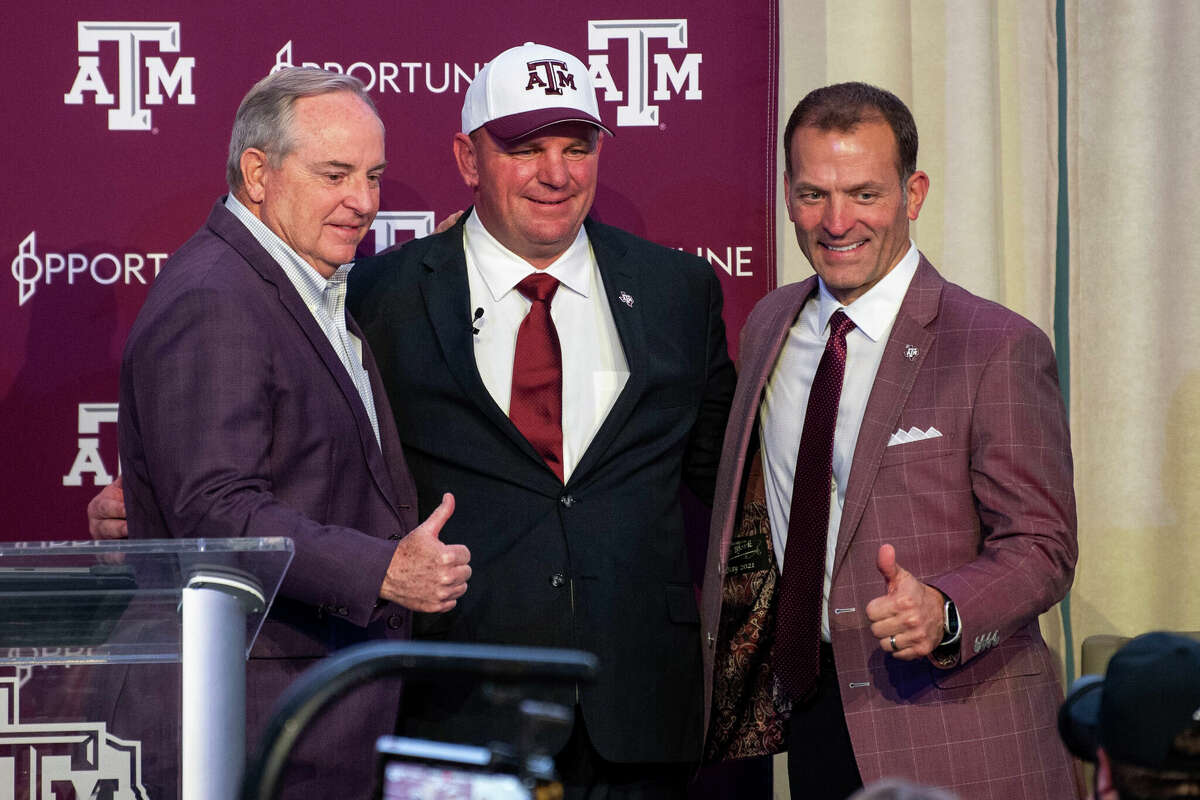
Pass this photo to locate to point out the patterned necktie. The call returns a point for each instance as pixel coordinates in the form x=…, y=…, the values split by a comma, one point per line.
x=798, y=619
x=535, y=405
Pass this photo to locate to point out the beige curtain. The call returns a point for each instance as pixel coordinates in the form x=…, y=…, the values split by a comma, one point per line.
x=982, y=81
x=1133, y=76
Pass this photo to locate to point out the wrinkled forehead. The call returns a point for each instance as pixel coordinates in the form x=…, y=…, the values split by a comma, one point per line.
x=866, y=143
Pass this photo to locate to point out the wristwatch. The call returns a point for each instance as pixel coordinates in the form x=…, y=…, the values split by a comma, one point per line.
x=946, y=654
x=951, y=625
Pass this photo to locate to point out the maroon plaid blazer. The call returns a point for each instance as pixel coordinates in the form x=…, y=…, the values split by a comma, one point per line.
x=985, y=513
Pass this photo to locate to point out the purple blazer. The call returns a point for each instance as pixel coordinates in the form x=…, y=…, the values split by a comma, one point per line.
x=238, y=419
x=985, y=513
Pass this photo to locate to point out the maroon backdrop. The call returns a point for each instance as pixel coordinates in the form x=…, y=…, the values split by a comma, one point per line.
x=117, y=122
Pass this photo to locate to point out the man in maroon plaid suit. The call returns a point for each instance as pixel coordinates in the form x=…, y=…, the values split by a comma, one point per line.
x=951, y=521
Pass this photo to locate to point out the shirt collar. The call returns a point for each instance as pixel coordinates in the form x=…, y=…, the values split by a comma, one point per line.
x=338, y=280
x=873, y=312
x=308, y=282
x=502, y=269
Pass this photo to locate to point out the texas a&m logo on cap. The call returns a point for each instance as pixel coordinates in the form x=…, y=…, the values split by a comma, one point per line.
x=549, y=74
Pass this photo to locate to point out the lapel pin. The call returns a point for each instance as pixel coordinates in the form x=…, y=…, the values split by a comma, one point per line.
x=626, y=298
x=911, y=351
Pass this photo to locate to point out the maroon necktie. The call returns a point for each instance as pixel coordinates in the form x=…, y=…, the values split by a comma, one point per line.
x=535, y=406
x=798, y=618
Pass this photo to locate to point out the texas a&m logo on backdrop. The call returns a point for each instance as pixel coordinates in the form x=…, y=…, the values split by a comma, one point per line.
x=650, y=77
x=125, y=44
x=62, y=758
x=669, y=77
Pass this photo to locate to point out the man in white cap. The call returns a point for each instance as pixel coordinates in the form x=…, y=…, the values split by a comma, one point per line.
x=564, y=378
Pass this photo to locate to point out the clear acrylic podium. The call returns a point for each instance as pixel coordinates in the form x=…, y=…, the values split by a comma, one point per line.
x=91, y=613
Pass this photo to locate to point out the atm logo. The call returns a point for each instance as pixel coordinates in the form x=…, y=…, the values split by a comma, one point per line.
x=125, y=43
x=680, y=75
x=550, y=75
x=54, y=760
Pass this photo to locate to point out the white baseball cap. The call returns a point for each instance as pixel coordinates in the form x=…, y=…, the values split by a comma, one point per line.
x=527, y=88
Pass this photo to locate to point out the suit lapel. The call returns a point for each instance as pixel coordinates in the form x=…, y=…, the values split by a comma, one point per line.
x=760, y=351
x=757, y=354
x=447, y=295
x=897, y=373
x=225, y=225
x=620, y=278
x=388, y=458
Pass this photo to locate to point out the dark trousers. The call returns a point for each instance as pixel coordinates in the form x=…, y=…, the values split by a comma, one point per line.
x=821, y=762
x=586, y=775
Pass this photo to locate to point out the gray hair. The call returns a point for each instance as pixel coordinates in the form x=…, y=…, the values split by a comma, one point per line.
x=895, y=789
x=264, y=119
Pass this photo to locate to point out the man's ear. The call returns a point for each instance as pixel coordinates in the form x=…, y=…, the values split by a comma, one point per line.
x=464, y=156
x=254, y=166
x=915, y=191
x=1104, y=782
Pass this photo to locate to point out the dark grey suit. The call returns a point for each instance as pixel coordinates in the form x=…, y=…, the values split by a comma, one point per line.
x=600, y=563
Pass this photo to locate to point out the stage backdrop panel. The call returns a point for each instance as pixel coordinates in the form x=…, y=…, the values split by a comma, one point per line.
x=117, y=123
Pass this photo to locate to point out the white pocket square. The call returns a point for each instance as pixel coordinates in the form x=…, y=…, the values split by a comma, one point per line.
x=913, y=434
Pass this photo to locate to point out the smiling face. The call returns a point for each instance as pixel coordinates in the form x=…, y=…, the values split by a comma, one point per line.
x=323, y=195
x=532, y=194
x=850, y=209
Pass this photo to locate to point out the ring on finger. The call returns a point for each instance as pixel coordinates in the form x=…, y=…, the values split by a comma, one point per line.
x=893, y=642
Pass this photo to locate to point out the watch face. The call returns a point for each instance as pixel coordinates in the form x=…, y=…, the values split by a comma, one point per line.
x=950, y=623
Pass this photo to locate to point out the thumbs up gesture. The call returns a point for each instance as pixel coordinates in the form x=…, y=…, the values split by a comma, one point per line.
x=425, y=573
x=907, y=618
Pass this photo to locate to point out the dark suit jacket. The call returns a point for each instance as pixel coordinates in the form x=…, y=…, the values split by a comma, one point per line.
x=986, y=513
x=600, y=563
x=238, y=419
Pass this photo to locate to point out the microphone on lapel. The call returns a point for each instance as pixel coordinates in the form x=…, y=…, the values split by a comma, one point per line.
x=476, y=321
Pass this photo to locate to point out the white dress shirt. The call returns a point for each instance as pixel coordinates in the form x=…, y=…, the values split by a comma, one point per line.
x=781, y=415
x=594, y=365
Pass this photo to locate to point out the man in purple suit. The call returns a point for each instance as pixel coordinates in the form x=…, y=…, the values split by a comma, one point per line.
x=251, y=406
x=932, y=504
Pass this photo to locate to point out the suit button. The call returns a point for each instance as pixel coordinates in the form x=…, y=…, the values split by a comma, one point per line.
x=557, y=580
x=395, y=622
x=343, y=611
x=567, y=500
